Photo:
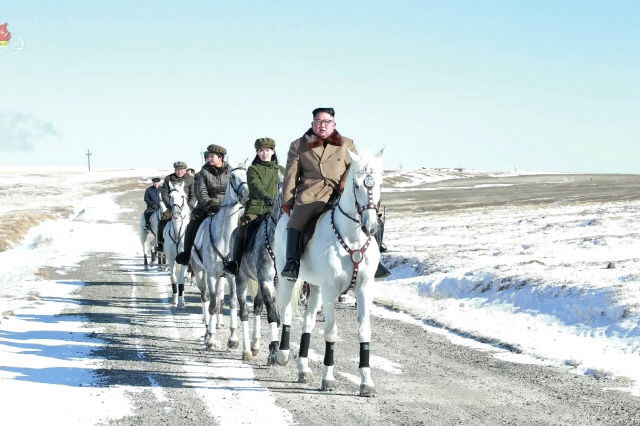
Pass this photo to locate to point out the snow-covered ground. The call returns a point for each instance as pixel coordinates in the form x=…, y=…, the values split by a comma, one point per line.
x=560, y=284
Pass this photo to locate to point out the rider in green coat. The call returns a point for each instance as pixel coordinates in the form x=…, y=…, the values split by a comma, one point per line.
x=263, y=180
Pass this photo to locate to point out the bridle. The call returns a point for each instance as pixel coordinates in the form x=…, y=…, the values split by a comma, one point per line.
x=174, y=214
x=357, y=255
x=369, y=183
x=236, y=191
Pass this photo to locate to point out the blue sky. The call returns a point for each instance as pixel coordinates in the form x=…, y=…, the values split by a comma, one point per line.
x=488, y=85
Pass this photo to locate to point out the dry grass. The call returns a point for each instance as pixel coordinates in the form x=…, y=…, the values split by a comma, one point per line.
x=14, y=226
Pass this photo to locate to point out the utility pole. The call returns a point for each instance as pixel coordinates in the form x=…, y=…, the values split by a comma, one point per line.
x=201, y=157
x=89, y=159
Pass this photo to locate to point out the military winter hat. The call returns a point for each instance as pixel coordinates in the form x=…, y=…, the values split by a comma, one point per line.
x=217, y=149
x=264, y=143
x=155, y=180
x=179, y=165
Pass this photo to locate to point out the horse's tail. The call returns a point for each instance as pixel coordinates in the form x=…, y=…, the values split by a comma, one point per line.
x=296, y=294
x=252, y=288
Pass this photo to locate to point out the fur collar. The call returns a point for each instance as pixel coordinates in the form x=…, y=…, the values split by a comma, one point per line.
x=216, y=171
x=315, y=142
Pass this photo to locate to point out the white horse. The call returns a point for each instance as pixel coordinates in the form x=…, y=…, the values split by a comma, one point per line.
x=149, y=237
x=174, y=234
x=341, y=254
x=211, y=248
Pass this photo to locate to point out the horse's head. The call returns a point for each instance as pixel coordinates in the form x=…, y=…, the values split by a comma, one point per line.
x=365, y=183
x=178, y=200
x=237, y=185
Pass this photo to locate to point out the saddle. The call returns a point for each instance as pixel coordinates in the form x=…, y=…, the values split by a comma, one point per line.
x=307, y=234
x=250, y=233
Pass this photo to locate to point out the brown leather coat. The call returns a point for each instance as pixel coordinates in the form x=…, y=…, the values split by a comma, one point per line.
x=314, y=170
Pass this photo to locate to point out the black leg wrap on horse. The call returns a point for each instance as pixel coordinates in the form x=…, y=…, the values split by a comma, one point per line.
x=180, y=289
x=328, y=354
x=304, y=345
x=284, y=340
x=365, y=350
x=174, y=288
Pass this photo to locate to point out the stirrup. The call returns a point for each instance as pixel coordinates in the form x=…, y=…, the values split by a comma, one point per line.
x=231, y=267
x=291, y=270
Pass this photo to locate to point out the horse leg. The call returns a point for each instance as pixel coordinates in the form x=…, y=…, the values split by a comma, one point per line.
x=181, y=270
x=365, y=300
x=285, y=289
x=267, y=290
x=305, y=375
x=174, y=285
x=199, y=277
x=241, y=289
x=220, y=295
x=257, y=332
x=330, y=334
x=233, y=341
x=212, y=340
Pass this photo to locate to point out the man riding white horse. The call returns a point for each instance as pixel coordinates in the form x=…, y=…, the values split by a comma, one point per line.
x=317, y=166
x=152, y=196
x=179, y=176
x=211, y=187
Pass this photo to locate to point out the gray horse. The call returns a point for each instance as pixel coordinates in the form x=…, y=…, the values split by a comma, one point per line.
x=259, y=265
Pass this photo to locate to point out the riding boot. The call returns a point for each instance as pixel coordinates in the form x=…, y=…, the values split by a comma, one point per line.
x=189, y=236
x=160, y=236
x=292, y=267
x=233, y=265
x=380, y=234
x=382, y=271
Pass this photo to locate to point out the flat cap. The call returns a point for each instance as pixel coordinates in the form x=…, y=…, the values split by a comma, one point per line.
x=264, y=143
x=156, y=180
x=217, y=149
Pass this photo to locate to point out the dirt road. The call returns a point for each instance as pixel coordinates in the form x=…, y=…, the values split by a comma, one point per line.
x=422, y=378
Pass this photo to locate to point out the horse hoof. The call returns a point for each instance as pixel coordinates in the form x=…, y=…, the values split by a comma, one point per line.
x=281, y=358
x=213, y=346
x=367, y=390
x=305, y=377
x=232, y=344
x=146, y=267
x=255, y=351
x=219, y=326
x=328, y=385
x=247, y=356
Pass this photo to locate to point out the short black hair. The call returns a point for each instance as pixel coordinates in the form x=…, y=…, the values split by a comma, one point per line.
x=329, y=111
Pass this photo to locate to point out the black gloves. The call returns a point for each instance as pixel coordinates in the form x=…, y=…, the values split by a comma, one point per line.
x=212, y=205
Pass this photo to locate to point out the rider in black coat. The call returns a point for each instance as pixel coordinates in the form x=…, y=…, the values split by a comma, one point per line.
x=153, y=199
x=211, y=187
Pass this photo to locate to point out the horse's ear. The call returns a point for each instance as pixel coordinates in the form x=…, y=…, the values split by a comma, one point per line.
x=354, y=157
x=379, y=153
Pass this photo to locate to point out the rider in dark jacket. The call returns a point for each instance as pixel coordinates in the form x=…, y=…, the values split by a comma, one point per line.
x=179, y=175
x=211, y=187
x=262, y=179
x=153, y=200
